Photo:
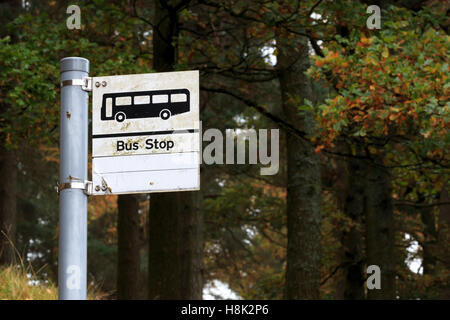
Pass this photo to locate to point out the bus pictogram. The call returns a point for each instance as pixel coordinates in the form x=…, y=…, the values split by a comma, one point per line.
x=145, y=104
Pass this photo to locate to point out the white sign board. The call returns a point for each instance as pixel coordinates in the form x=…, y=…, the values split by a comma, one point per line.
x=145, y=133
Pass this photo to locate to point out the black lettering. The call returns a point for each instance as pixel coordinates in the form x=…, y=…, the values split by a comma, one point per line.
x=120, y=145
x=149, y=144
x=135, y=146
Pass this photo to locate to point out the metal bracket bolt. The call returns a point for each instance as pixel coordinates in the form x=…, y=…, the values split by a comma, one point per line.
x=85, y=83
x=98, y=84
x=86, y=186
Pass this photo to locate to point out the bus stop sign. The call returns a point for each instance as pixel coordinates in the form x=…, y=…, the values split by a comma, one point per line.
x=145, y=133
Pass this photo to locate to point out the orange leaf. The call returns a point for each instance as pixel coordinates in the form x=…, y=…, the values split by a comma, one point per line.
x=319, y=63
x=319, y=148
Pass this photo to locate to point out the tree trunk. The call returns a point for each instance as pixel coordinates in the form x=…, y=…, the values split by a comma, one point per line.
x=430, y=235
x=352, y=239
x=303, y=181
x=175, y=248
x=8, y=189
x=175, y=218
x=444, y=240
x=340, y=174
x=9, y=10
x=128, y=255
x=380, y=228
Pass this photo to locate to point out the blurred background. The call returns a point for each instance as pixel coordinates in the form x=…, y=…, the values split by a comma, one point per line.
x=361, y=98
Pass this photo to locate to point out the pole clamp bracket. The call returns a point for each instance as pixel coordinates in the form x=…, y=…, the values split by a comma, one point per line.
x=86, y=186
x=85, y=83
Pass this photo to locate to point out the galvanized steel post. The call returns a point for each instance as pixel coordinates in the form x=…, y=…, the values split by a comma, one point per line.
x=72, y=265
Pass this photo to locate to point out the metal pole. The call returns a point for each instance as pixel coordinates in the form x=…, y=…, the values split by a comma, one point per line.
x=72, y=264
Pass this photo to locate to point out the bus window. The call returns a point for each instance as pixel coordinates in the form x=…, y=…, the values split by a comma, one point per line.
x=108, y=107
x=160, y=98
x=142, y=100
x=178, y=97
x=123, y=101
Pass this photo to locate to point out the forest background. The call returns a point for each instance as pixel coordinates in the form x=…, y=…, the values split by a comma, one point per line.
x=363, y=115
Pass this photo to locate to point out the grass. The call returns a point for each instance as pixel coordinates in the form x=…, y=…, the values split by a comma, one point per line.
x=14, y=285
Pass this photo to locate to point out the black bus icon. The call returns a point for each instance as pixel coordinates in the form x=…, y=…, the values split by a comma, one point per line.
x=144, y=104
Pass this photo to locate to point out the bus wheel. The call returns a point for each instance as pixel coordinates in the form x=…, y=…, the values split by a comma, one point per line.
x=164, y=114
x=120, y=117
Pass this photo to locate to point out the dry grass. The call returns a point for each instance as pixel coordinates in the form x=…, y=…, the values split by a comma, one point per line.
x=14, y=285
